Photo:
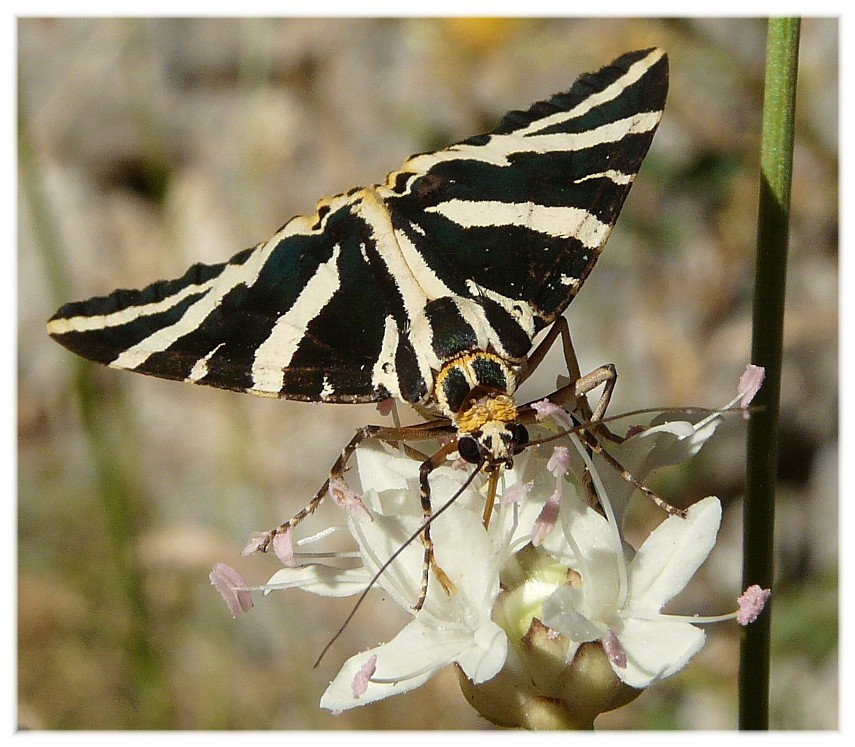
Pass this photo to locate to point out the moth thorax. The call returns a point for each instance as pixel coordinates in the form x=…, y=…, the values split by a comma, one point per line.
x=471, y=377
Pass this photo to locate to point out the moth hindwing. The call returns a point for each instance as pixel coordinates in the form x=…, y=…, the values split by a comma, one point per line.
x=474, y=248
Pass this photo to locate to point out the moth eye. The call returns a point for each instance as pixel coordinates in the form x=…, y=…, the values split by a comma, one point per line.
x=468, y=449
x=519, y=434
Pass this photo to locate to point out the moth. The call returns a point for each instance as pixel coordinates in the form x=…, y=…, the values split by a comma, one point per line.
x=430, y=288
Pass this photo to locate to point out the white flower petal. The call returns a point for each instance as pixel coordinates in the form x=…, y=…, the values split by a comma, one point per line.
x=390, y=482
x=671, y=554
x=690, y=445
x=388, y=479
x=666, y=433
x=486, y=655
x=561, y=613
x=405, y=663
x=378, y=541
x=660, y=445
x=663, y=445
x=325, y=580
x=656, y=649
x=586, y=544
x=462, y=547
x=464, y=552
x=339, y=695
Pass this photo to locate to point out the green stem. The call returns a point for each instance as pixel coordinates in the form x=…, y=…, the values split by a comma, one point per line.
x=776, y=161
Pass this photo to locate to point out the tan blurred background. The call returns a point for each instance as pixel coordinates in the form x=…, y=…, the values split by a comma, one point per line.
x=147, y=145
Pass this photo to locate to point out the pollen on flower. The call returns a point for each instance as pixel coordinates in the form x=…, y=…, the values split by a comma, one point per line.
x=517, y=492
x=363, y=676
x=546, y=520
x=614, y=649
x=749, y=384
x=546, y=409
x=232, y=588
x=559, y=462
x=345, y=498
x=254, y=543
x=283, y=547
x=751, y=603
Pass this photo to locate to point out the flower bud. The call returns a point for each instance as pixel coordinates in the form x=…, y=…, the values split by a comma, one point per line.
x=538, y=688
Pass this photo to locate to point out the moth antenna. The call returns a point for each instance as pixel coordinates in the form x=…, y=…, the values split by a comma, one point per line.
x=582, y=427
x=407, y=542
x=592, y=442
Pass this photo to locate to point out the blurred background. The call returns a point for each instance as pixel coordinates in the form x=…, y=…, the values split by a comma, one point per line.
x=147, y=145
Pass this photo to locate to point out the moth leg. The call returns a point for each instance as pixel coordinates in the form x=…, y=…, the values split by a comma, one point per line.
x=391, y=435
x=594, y=445
x=606, y=375
x=579, y=385
x=428, y=466
x=575, y=392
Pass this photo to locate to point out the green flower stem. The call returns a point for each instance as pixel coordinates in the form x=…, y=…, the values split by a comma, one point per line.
x=776, y=161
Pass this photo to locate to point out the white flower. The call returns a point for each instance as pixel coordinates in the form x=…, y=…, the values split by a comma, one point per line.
x=619, y=602
x=458, y=628
x=548, y=615
x=451, y=628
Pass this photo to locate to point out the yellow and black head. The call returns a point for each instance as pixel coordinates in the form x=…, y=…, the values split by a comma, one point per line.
x=488, y=431
x=474, y=391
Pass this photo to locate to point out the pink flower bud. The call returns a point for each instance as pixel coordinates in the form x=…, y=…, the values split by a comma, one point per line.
x=614, y=649
x=546, y=409
x=559, y=462
x=254, y=543
x=546, y=520
x=517, y=493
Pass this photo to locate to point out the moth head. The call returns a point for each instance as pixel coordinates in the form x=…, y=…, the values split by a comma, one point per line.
x=495, y=443
x=488, y=431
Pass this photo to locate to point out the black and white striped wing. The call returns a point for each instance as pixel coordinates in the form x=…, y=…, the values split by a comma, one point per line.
x=521, y=214
x=300, y=316
x=474, y=247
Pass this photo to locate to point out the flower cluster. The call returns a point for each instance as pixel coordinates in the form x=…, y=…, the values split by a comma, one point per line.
x=553, y=617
